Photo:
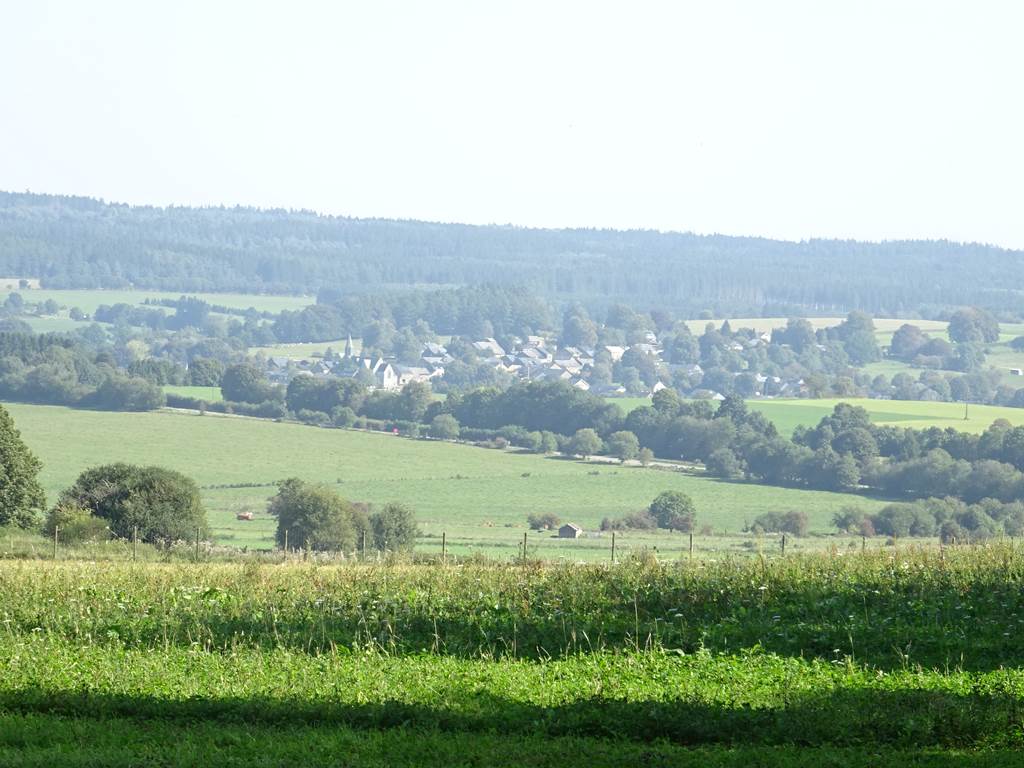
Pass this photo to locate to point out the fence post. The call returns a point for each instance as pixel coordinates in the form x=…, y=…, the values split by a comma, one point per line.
x=197, y=544
x=613, y=547
x=863, y=543
x=135, y=542
x=783, y=545
x=444, y=548
x=56, y=530
x=285, y=543
x=524, y=546
x=691, y=545
x=305, y=552
x=362, y=545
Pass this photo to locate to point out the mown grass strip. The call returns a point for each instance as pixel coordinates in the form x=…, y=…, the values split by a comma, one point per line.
x=747, y=699
x=43, y=741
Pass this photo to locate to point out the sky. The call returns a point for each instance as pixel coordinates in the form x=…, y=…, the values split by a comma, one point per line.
x=793, y=120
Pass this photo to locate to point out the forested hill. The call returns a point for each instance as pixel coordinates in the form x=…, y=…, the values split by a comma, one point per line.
x=73, y=242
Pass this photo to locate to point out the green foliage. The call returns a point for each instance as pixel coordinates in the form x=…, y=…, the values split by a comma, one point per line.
x=585, y=443
x=543, y=521
x=165, y=505
x=21, y=496
x=623, y=445
x=972, y=324
x=313, y=515
x=75, y=524
x=674, y=511
x=245, y=383
x=444, y=426
x=394, y=528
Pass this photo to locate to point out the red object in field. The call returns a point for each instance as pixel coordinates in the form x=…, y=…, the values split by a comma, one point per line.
x=394, y=431
x=244, y=516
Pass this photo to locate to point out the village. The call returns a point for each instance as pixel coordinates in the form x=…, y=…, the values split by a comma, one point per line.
x=533, y=358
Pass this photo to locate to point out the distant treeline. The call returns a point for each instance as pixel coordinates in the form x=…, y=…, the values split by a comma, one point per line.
x=74, y=242
x=56, y=370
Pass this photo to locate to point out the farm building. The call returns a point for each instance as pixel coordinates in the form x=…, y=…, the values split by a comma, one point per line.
x=569, y=531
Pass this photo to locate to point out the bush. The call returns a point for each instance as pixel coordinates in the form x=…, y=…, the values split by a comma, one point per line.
x=545, y=521
x=121, y=393
x=724, y=463
x=646, y=456
x=316, y=418
x=790, y=522
x=76, y=524
x=246, y=383
x=343, y=416
x=313, y=515
x=623, y=445
x=585, y=443
x=163, y=504
x=444, y=426
x=394, y=528
x=641, y=521
x=548, y=443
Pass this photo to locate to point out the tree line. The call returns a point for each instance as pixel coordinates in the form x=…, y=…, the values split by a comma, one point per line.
x=75, y=242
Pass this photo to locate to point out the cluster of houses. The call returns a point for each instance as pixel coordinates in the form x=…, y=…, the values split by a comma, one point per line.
x=531, y=359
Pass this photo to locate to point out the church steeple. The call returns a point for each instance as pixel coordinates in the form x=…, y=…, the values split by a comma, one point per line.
x=349, y=352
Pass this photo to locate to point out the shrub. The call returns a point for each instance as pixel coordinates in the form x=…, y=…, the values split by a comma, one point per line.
x=316, y=418
x=641, y=521
x=545, y=521
x=313, y=515
x=343, y=416
x=76, y=524
x=724, y=463
x=394, y=528
x=164, y=504
x=623, y=445
x=585, y=443
x=444, y=426
x=646, y=456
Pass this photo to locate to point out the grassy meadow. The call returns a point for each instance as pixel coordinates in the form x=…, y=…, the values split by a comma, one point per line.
x=209, y=394
x=893, y=658
x=791, y=413
x=89, y=300
x=479, y=497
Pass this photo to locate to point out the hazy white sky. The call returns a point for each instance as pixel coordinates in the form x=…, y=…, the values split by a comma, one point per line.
x=874, y=120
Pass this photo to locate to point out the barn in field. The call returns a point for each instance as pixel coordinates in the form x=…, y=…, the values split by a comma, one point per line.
x=569, y=531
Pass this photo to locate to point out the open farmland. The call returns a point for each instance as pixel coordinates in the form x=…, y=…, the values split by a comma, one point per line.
x=479, y=497
x=729, y=663
x=788, y=414
x=88, y=300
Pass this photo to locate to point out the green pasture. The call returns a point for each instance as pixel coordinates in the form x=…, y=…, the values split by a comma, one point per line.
x=789, y=414
x=88, y=300
x=479, y=497
x=300, y=351
x=209, y=394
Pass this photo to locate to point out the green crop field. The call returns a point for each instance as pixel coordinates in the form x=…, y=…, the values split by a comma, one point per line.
x=479, y=497
x=895, y=658
x=88, y=300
